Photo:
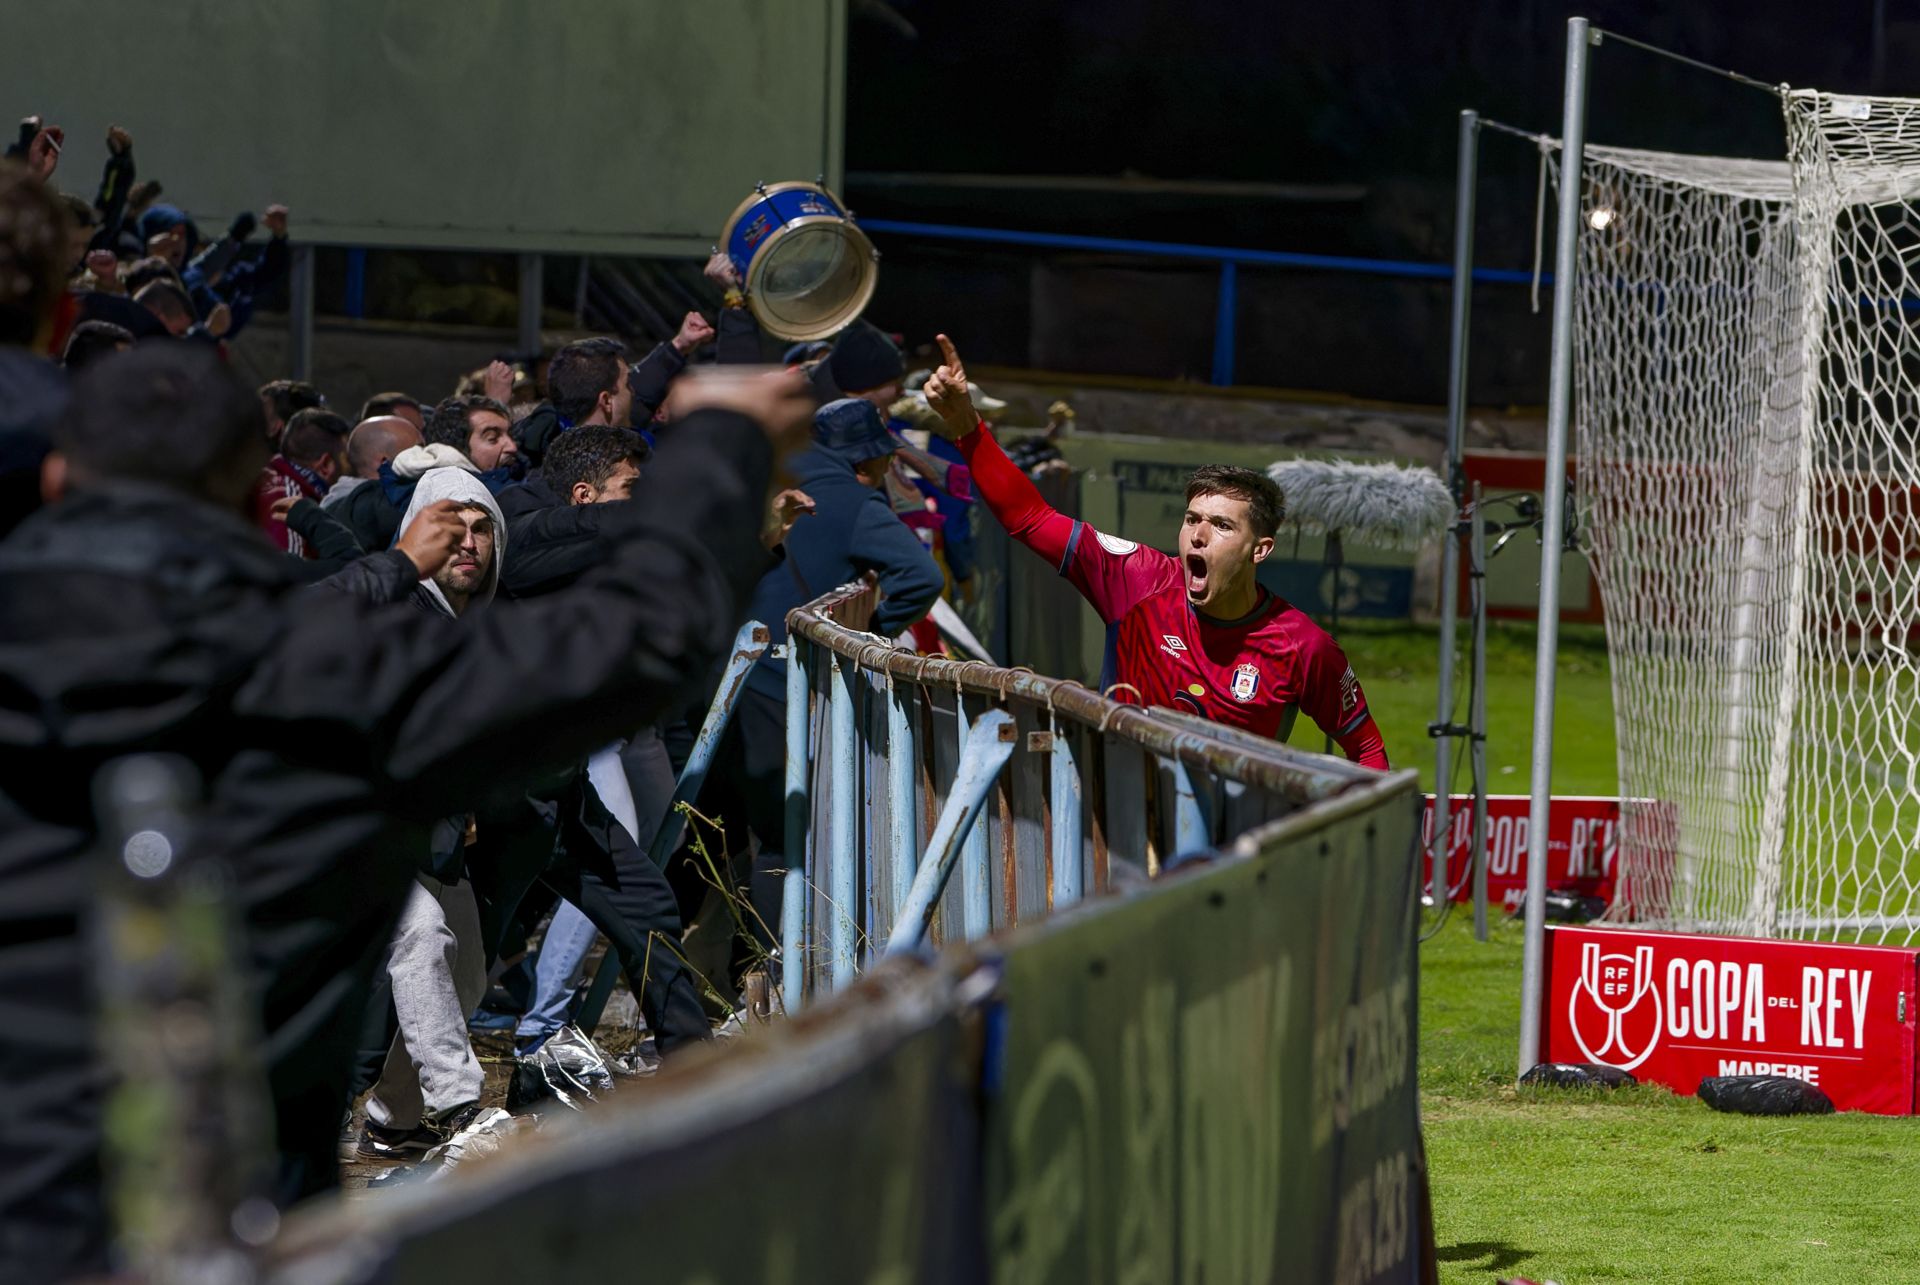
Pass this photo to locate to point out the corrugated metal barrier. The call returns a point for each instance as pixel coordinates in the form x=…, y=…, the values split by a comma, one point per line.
x=1168, y=1034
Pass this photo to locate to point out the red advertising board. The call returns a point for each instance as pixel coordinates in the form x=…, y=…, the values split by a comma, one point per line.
x=1674, y=1008
x=1583, y=838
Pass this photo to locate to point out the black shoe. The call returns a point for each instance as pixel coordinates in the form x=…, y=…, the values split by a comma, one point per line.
x=378, y=1142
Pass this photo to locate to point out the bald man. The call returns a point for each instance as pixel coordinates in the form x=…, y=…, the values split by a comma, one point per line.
x=360, y=500
x=376, y=441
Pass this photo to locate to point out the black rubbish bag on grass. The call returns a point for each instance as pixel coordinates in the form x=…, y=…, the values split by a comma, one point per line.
x=1578, y=1075
x=1764, y=1095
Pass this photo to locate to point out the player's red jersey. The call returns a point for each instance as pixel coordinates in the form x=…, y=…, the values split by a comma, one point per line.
x=1251, y=673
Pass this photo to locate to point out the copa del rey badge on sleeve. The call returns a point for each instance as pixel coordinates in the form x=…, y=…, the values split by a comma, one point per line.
x=1674, y=1008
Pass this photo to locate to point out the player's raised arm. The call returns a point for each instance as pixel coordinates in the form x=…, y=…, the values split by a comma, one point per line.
x=1001, y=485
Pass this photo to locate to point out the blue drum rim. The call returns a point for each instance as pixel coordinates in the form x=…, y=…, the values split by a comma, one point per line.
x=843, y=223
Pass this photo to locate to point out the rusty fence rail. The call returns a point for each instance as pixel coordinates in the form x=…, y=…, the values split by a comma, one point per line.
x=939, y=800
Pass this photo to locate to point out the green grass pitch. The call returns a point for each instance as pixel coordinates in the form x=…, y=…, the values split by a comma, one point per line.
x=1637, y=1186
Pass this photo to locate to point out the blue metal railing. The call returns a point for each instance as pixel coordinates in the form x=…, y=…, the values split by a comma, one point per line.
x=1230, y=258
x=930, y=796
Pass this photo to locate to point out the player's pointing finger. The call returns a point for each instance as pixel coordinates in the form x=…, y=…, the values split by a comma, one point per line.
x=952, y=357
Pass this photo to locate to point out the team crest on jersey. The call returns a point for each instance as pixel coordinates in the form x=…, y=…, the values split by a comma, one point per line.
x=1172, y=644
x=1246, y=682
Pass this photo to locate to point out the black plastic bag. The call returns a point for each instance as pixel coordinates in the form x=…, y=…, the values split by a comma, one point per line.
x=1764, y=1095
x=1578, y=1075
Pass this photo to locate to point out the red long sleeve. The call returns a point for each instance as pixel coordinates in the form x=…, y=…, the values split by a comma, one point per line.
x=1012, y=498
x=1363, y=745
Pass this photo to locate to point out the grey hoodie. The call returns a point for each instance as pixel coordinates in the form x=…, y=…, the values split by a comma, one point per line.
x=463, y=488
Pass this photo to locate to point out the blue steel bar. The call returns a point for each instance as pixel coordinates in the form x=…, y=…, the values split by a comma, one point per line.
x=748, y=646
x=1064, y=803
x=1190, y=828
x=903, y=813
x=1226, y=309
x=843, y=785
x=355, y=302
x=793, y=903
x=1217, y=253
x=988, y=746
x=976, y=880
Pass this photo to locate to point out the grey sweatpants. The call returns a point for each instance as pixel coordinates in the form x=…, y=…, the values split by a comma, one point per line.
x=439, y=976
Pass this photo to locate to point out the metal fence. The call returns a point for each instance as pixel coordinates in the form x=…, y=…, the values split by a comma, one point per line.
x=892, y=756
x=1170, y=1035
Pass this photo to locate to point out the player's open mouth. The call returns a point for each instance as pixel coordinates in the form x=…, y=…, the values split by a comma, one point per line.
x=1196, y=571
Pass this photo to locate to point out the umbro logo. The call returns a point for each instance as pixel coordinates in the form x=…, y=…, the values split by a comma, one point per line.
x=1172, y=644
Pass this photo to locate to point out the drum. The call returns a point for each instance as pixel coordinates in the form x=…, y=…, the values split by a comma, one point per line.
x=807, y=270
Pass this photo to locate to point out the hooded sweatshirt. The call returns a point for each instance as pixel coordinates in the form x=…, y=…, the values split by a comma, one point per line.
x=462, y=487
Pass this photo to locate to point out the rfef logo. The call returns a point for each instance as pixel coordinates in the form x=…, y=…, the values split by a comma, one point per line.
x=1614, y=1013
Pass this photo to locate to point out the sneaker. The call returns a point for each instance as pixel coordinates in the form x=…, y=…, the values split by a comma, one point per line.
x=470, y=1132
x=395, y=1146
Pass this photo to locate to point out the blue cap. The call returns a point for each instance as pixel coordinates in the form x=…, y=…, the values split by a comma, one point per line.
x=852, y=429
x=805, y=352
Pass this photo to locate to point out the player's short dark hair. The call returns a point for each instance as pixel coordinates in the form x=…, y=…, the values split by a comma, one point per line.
x=314, y=434
x=580, y=372
x=388, y=404
x=590, y=454
x=290, y=396
x=1266, y=507
x=451, y=423
x=170, y=415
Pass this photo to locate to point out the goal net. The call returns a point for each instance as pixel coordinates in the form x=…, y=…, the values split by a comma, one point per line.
x=1747, y=420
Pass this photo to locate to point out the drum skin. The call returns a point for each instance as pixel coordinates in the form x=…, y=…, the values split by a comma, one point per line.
x=799, y=232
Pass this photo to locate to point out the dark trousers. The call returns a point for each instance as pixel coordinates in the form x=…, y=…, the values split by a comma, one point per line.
x=746, y=791
x=609, y=876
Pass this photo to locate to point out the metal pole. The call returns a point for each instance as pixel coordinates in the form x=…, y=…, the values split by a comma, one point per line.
x=300, y=312
x=903, y=813
x=984, y=751
x=1191, y=833
x=1566, y=262
x=976, y=880
x=749, y=645
x=1226, y=312
x=1444, y=725
x=532, y=288
x=843, y=787
x=1477, y=715
x=793, y=901
x=1064, y=785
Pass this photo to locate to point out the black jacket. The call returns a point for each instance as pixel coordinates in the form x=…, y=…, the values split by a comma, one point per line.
x=852, y=530
x=334, y=544
x=331, y=733
x=550, y=544
x=371, y=515
x=33, y=392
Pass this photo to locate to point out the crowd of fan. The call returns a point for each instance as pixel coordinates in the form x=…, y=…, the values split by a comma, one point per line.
x=436, y=665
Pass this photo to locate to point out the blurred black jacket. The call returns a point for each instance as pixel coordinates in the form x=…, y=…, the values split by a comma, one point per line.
x=331, y=733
